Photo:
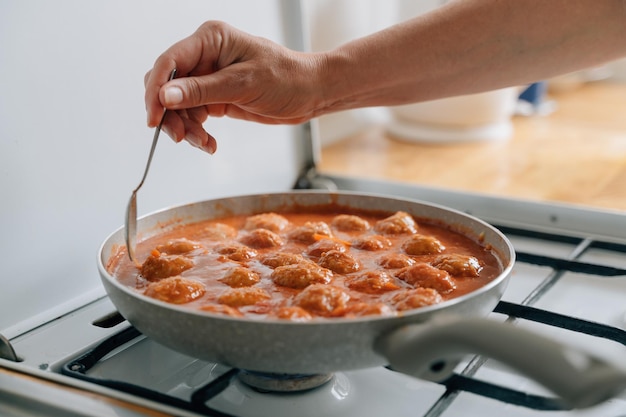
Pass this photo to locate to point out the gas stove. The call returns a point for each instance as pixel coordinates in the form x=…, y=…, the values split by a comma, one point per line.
x=568, y=283
x=64, y=350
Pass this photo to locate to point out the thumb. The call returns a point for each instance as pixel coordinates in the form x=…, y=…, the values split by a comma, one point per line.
x=229, y=85
x=189, y=92
x=173, y=96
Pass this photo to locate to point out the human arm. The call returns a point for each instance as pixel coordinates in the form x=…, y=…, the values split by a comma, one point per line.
x=463, y=47
x=471, y=46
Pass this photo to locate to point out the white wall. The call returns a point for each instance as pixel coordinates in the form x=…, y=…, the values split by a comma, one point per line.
x=73, y=139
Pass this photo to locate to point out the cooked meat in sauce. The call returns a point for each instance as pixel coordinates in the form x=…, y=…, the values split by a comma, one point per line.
x=274, y=260
x=418, y=297
x=396, y=224
x=236, y=252
x=339, y=261
x=372, y=282
x=238, y=297
x=179, y=247
x=301, y=275
x=422, y=245
x=270, y=221
x=349, y=223
x=261, y=238
x=239, y=276
x=322, y=299
x=158, y=266
x=293, y=313
x=309, y=265
x=458, y=265
x=176, y=290
x=426, y=276
x=310, y=232
x=317, y=249
x=371, y=242
x=395, y=261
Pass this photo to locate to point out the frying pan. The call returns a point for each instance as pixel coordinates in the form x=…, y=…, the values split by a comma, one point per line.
x=427, y=342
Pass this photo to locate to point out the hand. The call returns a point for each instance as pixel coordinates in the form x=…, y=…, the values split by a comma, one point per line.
x=225, y=72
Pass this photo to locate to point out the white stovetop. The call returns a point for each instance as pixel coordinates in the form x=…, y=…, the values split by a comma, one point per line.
x=369, y=392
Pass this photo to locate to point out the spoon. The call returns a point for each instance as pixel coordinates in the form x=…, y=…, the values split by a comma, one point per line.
x=131, y=209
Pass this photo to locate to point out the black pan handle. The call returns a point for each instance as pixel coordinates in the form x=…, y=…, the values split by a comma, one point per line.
x=432, y=350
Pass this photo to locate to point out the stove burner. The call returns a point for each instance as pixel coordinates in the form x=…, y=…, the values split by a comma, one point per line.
x=270, y=382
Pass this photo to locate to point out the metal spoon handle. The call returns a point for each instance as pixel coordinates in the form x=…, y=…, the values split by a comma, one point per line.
x=155, y=139
x=131, y=209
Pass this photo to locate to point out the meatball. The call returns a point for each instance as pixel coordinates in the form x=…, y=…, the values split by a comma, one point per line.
x=367, y=309
x=418, y=297
x=371, y=242
x=422, y=245
x=372, y=282
x=269, y=221
x=239, y=297
x=349, y=223
x=158, y=266
x=274, y=260
x=219, y=231
x=324, y=245
x=293, y=313
x=458, y=265
x=179, y=246
x=236, y=252
x=322, y=300
x=176, y=290
x=396, y=224
x=395, y=261
x=427, y=276
x=339, y=262
x=301, y=275
x=240, y=277
x=261, y=238
x=221, y=309
x=310, y=232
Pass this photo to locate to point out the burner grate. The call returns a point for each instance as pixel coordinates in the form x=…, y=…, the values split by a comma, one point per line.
x=560, y=320
x=559, y=267
x=79, y=367
x=463, y=382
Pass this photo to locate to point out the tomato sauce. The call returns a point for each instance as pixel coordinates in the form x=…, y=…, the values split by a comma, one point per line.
x=308, y=265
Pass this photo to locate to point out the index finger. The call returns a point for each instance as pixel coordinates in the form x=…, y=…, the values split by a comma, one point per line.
x=154, y=80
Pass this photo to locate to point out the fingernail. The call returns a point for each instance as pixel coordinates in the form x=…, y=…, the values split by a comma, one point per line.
x=173, y=95
x=170, y=134
x=194, y=140
x=209, y=148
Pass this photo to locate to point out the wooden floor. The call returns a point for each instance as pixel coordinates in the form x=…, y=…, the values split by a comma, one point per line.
x=577, y=154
